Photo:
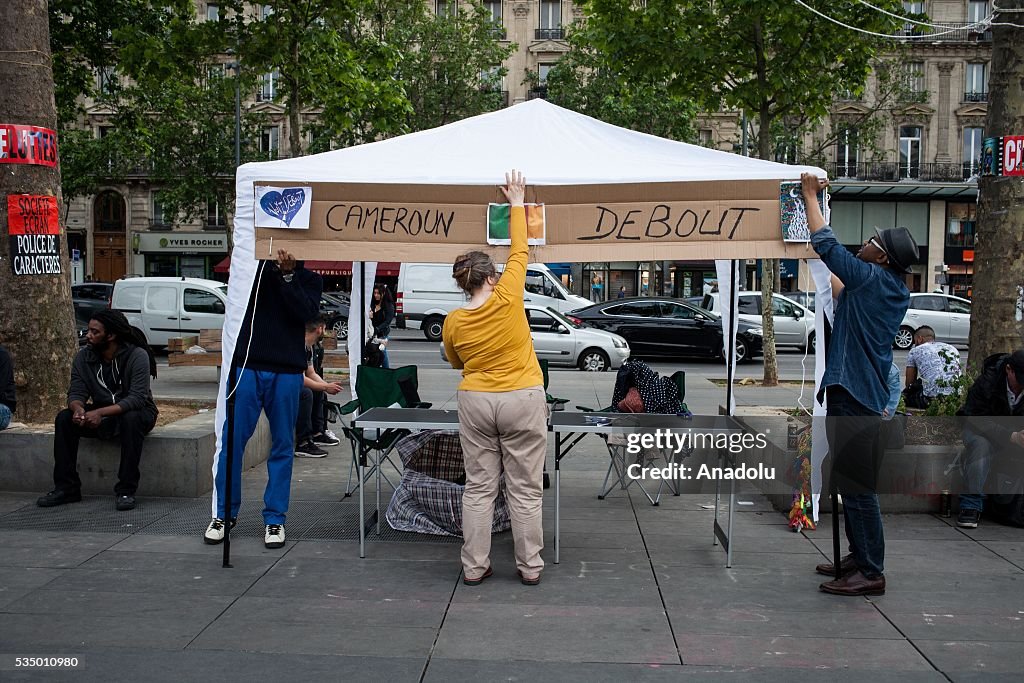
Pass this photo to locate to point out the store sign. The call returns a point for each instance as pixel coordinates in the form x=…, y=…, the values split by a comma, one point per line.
x=34, y=230
x=179, y=243
x=27, y=145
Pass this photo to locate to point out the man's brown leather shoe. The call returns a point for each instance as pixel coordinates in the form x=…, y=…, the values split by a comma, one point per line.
x=846, y=565
x=855, y=584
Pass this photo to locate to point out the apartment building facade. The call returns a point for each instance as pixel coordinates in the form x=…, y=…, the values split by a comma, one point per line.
x=919, y=171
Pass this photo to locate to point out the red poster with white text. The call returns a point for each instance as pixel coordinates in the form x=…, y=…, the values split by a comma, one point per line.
x=27, y=145
x=1013, y=155
x=32, y=214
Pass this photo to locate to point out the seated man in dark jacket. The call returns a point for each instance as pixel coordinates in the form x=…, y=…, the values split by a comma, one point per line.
x=109, y=398
x=997, y=392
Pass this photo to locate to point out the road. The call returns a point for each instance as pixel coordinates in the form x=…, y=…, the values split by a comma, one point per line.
x=409, y=347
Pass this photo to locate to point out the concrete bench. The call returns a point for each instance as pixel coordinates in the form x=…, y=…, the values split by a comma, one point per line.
x=177, y=459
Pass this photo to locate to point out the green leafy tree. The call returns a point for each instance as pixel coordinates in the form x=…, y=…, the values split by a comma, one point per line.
x=450, y=64
x=770, y=59
x=333, y=77
x=588, y=81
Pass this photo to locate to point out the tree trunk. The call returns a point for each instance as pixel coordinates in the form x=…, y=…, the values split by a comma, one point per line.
x=36, y=316
x=771, y=365
x=998, y=258
x=294, y=107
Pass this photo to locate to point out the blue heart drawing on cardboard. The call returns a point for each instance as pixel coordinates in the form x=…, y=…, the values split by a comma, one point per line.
x=283, y=205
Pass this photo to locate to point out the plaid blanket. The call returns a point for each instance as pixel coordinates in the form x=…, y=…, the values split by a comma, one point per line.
x=428, y=500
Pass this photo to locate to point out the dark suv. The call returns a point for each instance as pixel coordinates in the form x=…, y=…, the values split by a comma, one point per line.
x=88, y=298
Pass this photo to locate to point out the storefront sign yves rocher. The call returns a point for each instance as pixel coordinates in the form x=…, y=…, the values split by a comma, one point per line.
x=647, y=221
x=34, y=229
x=27, y=145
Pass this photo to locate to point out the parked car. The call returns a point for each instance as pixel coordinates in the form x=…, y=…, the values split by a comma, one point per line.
x=89, y=297
x=694, y=300
x=427, y=292
x=948, y=315
x=335, y=309
x=805, y=299
x=164, y=307
x=794, y=324
x=564, y=342
x=663, y=326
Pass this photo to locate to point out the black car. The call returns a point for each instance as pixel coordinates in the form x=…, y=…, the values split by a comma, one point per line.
x=663, y=326
x=335, y=309
x=88, y=298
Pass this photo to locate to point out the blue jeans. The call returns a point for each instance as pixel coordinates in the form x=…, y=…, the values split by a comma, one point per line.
x=976, y=464
x=278, y=396
x=5, y=416
x=854, y=442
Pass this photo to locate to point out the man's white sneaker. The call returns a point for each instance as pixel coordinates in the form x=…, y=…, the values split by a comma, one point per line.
x=274, y=538
x=215, y=531
x=326, y=439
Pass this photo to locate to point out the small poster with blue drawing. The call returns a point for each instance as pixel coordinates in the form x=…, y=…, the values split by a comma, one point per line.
x=794, y=212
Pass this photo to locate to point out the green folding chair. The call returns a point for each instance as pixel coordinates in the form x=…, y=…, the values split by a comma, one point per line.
x=554, y=403
x=378, y=388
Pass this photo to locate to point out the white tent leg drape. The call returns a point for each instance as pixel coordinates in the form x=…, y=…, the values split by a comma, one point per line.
x=728, y=297
x=824, y=312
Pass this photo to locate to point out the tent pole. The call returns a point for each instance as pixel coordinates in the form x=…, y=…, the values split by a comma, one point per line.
x=362, y=312
x=230, y=462
x=731, y=365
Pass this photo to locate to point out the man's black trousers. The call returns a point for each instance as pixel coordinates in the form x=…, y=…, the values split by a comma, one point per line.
x=131, y=428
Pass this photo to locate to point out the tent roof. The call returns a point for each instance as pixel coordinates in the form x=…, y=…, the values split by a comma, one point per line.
x=551, y=145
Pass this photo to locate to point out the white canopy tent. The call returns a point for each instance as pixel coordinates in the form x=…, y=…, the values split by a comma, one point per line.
x=550, y=145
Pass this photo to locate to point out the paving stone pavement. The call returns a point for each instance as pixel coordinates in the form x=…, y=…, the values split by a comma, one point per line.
x=641, y=594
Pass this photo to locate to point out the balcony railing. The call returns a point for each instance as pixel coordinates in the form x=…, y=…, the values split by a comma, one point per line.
x=549, y=34
x=159, y=224
x=894, y=171
x=538, y=93
x=957, y=32
x=975, y=97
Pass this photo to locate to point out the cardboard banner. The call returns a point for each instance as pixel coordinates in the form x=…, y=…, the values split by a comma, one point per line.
x=34, y=230
x=27, y=145
x=436, y=223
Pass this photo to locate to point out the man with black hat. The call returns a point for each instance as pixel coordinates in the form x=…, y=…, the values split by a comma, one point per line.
x=871, y=300
x=997, y=392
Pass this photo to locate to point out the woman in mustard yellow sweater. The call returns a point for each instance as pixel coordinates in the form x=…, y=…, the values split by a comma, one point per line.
x=502, y=408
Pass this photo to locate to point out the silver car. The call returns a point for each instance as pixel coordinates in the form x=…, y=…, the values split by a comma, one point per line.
x=949, y=316
x=794, y=324
x=563, y=342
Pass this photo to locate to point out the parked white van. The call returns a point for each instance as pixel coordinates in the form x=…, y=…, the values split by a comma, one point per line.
x=427, y=293
x=165, y=307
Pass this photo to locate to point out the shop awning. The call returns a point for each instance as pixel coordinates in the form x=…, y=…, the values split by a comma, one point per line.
x=384, y=268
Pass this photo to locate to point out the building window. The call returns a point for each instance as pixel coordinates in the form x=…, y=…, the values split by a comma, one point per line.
x=914, y=80
x=910, y=151
x=446, y=8
x=212, y=12
x=493, y=8
x=161, y=221
x=976, y=84
x=550, y=20
x=972, y=151
x=977, y=10
x=268, y=86
x=265, y=11
x=106, y=80
x=542, y=73
x=961, y=224
x=270, y=141
x=785, y=150
x=847, y=153
x=706, y=137
x=910, y=29
x=216, y=214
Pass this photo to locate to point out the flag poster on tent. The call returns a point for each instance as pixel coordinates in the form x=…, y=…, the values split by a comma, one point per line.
x=499, y=224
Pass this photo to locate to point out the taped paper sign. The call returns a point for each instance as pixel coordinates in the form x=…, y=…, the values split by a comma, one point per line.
x=286, y=207
x=794, y=212
x=499, y=220
x=610, y=222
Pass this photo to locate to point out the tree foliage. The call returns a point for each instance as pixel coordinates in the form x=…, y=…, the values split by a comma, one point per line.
x=589, y=81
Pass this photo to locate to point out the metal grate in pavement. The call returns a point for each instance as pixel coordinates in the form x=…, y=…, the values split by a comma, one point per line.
x=95, y=514
x=342, y=524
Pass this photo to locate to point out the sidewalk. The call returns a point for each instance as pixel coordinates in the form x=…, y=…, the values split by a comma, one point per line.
x=640, y=594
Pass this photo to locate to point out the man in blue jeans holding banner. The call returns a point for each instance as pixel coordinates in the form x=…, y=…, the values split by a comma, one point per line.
x=270, y=355
x=871, y=300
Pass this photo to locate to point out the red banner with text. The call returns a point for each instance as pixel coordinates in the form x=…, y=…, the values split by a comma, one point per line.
x=27, y=145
